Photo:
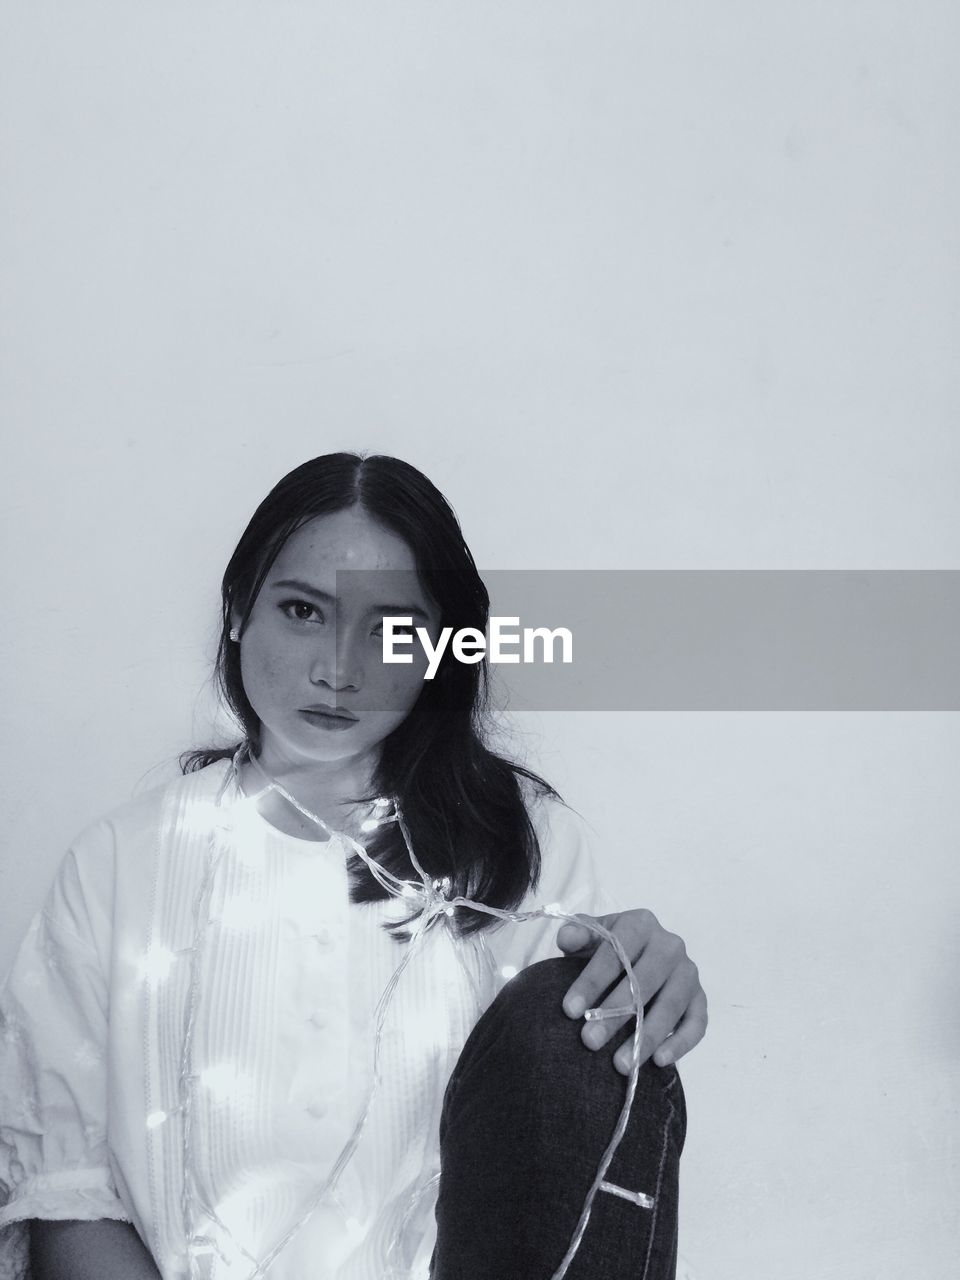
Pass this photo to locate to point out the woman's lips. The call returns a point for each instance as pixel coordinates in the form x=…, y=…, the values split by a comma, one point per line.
x=328, y=719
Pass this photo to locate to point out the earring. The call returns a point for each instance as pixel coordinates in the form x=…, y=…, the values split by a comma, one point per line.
x=234, y=633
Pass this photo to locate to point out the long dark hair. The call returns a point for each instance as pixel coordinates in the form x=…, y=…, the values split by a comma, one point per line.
x=462, y=803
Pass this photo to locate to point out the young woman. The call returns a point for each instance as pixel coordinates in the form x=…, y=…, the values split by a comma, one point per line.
x=252, y=1033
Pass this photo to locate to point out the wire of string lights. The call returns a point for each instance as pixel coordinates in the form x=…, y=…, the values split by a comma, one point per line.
x=437, y=906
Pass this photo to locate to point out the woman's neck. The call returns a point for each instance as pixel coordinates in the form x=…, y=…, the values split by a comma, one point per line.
x=327, y=789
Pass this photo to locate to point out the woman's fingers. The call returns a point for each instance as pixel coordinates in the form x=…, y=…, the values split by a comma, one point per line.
x=688, y=1035
x=668, y=1048
x=663, y=1009
x=633, y=930
x=667, y=981
x=600, y=1031
x=663, y=958
x=577, y=939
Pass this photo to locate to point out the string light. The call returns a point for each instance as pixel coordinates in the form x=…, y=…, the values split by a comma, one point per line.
x=354, y=1229
x=602, y=1015
x=635, y=1197
x=155, y=963
x=225, y=1082
x=239, y=913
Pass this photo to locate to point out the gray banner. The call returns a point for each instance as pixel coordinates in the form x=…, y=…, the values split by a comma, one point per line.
x=728, y=640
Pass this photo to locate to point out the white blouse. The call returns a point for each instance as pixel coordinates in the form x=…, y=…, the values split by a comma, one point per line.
x=213, y=1131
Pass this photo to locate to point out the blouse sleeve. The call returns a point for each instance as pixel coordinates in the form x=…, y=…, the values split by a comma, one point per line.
x=53, y=1095
x=569, y=879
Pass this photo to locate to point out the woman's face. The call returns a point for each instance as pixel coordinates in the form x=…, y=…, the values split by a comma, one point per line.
x=314, y=638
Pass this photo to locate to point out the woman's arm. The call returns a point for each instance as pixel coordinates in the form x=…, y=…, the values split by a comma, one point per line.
x=675, y=1004
x=101, y=1250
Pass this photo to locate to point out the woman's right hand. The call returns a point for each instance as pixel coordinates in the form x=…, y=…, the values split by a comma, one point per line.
x=101, y=1250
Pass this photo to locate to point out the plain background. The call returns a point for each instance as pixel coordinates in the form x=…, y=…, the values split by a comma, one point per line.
x=638, y=287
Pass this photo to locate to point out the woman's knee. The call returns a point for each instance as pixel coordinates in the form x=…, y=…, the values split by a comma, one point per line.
x=530, y=1098
x=537, y=1040
x=532, y=1001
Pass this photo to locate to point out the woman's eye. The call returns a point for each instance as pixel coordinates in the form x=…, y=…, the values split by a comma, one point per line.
x=300, y=610
x=397, y=630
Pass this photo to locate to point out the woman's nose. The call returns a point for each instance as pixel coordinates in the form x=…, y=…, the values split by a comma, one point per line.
x=337, y=664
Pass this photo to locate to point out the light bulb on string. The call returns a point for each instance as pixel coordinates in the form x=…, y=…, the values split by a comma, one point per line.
x=155, y=963
x=239, y=914
x=226, y=1083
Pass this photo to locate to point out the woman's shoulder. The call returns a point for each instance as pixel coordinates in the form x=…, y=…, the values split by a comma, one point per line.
x=137, y=817
x=553, y=818
x=569, y=880
x=571, y=859
x=118, y=845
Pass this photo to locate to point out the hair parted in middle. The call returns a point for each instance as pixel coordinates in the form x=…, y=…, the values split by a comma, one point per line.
x=462, y=802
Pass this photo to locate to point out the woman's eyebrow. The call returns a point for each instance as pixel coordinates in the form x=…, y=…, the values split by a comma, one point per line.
x=295, y=584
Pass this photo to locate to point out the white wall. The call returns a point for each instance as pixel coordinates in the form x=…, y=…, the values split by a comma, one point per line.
x=638, y=287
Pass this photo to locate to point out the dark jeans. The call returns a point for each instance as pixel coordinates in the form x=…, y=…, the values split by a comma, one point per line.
x=527, y=1115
